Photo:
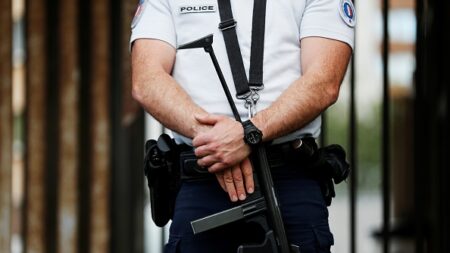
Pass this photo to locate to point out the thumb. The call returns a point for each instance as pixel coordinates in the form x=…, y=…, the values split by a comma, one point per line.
x=207, y=119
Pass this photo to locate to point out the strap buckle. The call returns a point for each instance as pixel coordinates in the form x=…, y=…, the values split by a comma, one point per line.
x=250, y=103
x=227, y=24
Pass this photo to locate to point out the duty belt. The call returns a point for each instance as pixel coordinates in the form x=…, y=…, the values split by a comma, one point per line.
x=298, y=152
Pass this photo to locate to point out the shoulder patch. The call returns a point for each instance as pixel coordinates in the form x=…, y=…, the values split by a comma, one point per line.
x=347, y=12
x=138, y=14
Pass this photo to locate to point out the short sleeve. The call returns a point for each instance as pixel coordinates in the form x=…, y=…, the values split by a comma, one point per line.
x=153, y=20
x=332, y=19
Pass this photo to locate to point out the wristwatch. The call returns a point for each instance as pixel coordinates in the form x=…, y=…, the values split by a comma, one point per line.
x=252, y=135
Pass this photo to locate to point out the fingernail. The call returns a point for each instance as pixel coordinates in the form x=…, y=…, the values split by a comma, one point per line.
x=242, y=196
x=250, y=190
x=234, y=198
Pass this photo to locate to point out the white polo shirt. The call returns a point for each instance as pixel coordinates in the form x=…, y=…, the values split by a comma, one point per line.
x=177, y=22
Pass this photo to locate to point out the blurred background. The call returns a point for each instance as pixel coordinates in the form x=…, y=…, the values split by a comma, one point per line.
x=71, y=137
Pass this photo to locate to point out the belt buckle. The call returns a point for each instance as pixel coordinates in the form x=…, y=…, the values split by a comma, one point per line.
x=227, y=24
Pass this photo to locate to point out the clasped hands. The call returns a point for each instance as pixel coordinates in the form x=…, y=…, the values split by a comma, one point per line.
x=222, y=150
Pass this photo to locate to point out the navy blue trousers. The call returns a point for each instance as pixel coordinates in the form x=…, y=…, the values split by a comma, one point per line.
x=301, y=202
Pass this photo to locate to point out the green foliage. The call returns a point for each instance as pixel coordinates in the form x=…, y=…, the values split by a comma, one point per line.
x=369, y=141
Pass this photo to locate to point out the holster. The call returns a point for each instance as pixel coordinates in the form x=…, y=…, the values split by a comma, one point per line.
x=329, y=164
x=161, y=167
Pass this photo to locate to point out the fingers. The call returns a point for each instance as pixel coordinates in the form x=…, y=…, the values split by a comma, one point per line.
x=213, y=162
x=207, y=119
x=237, y=181
x=210, y=120
x=229, y=184
x=247, y=172
x=207, y=161
x=201, y=140
x=203, y=151
x=223, y=142
x=217, y=167
x=219, y=177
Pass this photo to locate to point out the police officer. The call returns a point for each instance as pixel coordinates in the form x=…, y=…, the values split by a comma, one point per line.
x=308, y=44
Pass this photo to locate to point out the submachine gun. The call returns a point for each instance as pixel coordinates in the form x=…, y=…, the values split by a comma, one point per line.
x=262, y=206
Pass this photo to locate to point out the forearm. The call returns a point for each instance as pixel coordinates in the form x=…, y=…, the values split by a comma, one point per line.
x=323, y=63
x=158, y=93
x=301, y=103
x=168, y=103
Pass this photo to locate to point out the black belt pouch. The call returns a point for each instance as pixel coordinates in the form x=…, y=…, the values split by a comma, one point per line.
x=161, y=167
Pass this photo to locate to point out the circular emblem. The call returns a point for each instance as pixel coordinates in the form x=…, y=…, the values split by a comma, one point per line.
x=137, y=15
x=347, y=11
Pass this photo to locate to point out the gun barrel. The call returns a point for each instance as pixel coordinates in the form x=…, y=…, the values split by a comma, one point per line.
x=266, y=184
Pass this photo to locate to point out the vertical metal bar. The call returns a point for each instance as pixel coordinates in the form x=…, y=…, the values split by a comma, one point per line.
x=353, y=152
x=133, y=120
x=121, y=178
x=419, y=108
x=68, y=99
x=52, y=130
x=432, y=117
x=353, y=157
x=36, y=151
x=100, y=162
x=5, y=124
x=84, y=105
x=443, y=22
x=386, y=138
x=444, y=148
x=128, y=141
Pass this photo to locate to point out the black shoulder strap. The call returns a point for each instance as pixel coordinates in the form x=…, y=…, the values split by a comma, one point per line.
x=228, y=27
x=257, y=50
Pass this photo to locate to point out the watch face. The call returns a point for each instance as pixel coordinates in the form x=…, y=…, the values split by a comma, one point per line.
x=253, y=137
